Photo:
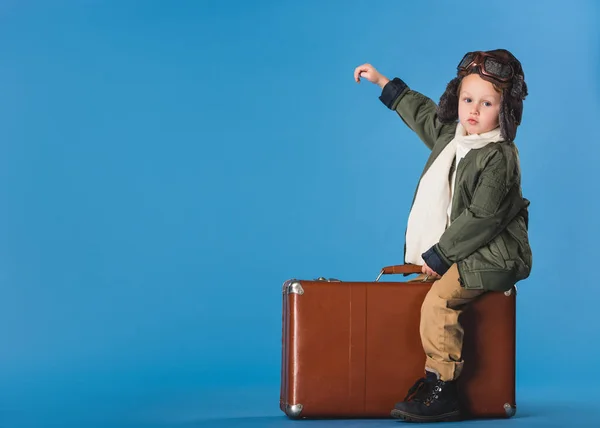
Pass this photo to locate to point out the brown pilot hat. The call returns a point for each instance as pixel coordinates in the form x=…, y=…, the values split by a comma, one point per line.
x=499, y=67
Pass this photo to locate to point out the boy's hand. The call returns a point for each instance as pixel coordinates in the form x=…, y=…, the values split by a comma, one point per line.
x=428, y=271
x=371, y=74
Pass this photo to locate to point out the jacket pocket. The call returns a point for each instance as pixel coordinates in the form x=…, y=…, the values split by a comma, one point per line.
x=493, y=255
x=502, y=248
x=520, y=251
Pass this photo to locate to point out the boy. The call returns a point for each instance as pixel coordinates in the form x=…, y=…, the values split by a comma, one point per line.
x=468, y=222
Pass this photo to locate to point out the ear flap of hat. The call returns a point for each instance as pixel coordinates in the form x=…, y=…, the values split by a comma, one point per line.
x=447, y=109
x=511, y=110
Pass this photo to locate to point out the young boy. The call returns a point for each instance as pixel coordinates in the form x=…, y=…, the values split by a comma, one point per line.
x=468, y=222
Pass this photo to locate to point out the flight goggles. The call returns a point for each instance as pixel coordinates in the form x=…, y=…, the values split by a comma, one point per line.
x=489, y=66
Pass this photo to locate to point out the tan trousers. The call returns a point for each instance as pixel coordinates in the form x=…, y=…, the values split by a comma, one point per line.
x=441, y=333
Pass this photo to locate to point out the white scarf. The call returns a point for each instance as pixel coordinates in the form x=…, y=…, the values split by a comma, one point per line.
x=430, y=213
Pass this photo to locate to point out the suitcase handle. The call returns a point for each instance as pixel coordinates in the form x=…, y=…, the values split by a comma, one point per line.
x=403, y=269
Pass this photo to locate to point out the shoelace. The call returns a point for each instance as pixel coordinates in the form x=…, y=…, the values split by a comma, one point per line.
x=433, y=393
x=420, y=392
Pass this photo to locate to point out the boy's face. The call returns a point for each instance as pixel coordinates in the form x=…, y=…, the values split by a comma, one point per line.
x=478, y=105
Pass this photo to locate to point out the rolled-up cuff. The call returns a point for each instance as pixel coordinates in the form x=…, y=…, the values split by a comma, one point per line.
x=391, y=91
x=435, y=261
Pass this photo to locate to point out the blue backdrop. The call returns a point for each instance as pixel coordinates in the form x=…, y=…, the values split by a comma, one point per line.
x=165, y=166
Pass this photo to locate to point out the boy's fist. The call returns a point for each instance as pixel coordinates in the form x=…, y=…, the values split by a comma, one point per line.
x=428, y=271
x=370, y=73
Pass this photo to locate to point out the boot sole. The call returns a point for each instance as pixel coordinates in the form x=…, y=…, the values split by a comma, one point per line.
x=446, y=417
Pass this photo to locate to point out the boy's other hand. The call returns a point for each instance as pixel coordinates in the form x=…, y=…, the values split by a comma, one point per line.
x=428, y=271
x=370, y=73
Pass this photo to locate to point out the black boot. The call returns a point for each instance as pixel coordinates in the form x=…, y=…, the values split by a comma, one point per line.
x=429, y=400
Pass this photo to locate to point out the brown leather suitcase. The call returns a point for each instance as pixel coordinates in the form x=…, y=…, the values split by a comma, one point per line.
x=353, y=349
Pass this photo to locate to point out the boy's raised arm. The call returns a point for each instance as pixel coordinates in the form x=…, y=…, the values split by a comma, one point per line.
x=415, y=109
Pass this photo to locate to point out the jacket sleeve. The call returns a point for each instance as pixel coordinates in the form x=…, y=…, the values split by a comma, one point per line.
x=490, y=210
x=416, y=110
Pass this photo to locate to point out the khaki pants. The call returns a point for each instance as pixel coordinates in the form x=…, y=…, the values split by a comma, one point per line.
x=441, y=333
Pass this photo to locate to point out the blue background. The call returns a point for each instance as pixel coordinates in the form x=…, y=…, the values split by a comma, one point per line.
x=165, y=166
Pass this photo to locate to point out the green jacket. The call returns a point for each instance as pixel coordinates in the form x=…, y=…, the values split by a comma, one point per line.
x=488, y=234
